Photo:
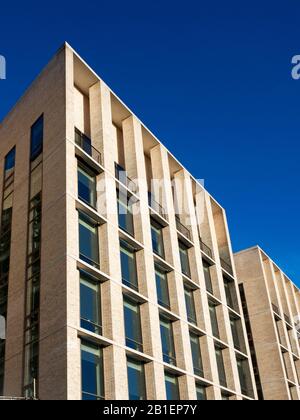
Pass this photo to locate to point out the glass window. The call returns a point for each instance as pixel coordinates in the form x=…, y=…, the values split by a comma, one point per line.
x=128, y=266
x=88, y=241
x=125, y=213
x=10, y=163
x=162, y=288
x=92, y=372
x=172, y=388
x=133, y=330
x=184, y=258
x=37, y=133
x=90, y=304
x=167, y=339
x=221, y=366
x=245, y=376
x=190, y=305
x=214, y=320
x=201, y=392
x=196, y=355
x=157, y=239
x=207, y=276
x=237, y=333
x=136, y=380
x=230, y=291
x=87, y=182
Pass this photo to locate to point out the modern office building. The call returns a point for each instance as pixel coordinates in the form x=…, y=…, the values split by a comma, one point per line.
x=117, y=278
x=271, y=305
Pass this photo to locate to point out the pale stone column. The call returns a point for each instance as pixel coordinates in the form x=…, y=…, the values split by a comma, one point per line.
x=161, y=171
x=136, y=169
x=115, y=365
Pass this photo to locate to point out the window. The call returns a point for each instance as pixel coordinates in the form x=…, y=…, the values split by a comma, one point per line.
x=88, y=240
x=90, y=304
x=87, y=185
x=167, y=339
x=225, y=396
x=162, y=288
x=221, y=366
x=10, y=161
x=237, y=333
x=92, y=372
x=128, y=265
x=133, y=331
x=201, y=392
x=125, y=213
x=207, y=276
x=196, y=355
x=157, y=239
x=231, y=296
x=214, y=319
x=190, y=305
x=245, y=376
x=172, y=388
x=136, y=380
x=37, y=133
x=184, y=258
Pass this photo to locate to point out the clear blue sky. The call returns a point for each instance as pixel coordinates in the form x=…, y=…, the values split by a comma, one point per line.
x=212, y=79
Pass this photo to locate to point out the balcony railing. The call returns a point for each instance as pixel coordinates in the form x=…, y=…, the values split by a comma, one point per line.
x=156, y=206
x=205, y=248
x=86, y=145
x=121, y=176
x=182, y=229
x=226, y=266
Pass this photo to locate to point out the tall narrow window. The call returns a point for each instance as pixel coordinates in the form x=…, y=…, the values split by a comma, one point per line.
x=172, y=387
x=90, y=304
x=231, y=295
x=32, y=328
x=190, y=305
x=214, y=320
x=237, y=333
x=157, y=239
x=128, y=265
x=207, y=276
x=136, y=380
x=37, y=134
x=88, y=240
x=162, y=288
x=196, y=355
x=87, y=182
x=92, y=376
x=133, y=330
x=184, y=258
x=5, y=244
x=245, y=376
x=221, y=366
x=125, y=212
x=167, y=339
x=201, y=392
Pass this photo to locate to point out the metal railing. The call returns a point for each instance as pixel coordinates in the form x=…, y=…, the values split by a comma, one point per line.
x=121, y=176
x=85, y=144
x=156, y=206
x=182, y=229
x=205, y=248
x=226, y=266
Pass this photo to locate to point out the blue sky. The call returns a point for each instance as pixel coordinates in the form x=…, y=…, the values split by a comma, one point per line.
x=211, y=79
